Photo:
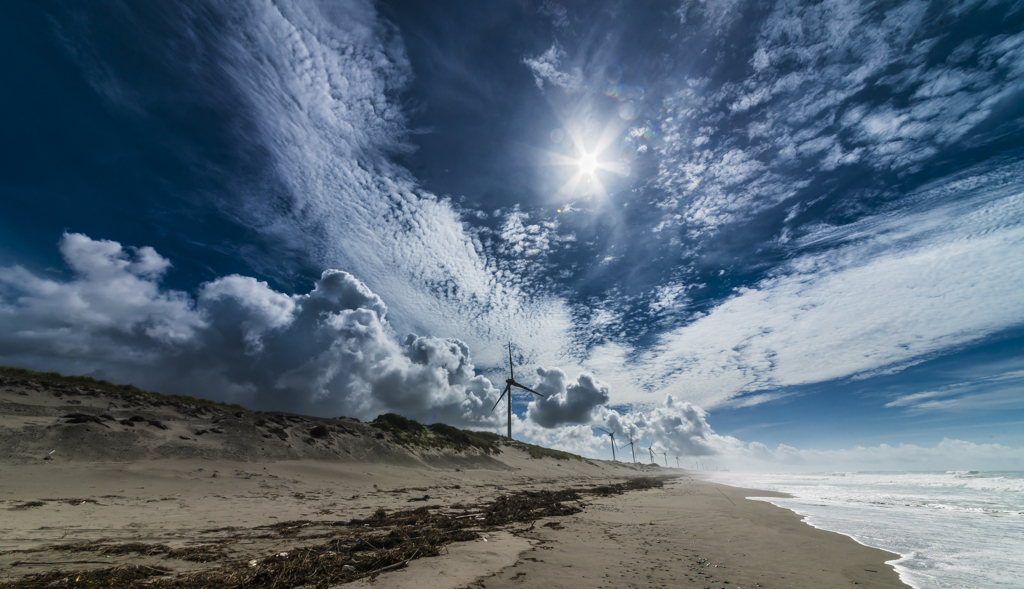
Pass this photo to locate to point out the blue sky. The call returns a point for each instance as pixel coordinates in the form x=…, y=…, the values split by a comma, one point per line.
x=771, y=235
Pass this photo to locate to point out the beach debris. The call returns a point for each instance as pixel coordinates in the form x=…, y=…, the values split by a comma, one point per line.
x=349, y=550
x=30, y=504
x=83, y=418
x=58, y=582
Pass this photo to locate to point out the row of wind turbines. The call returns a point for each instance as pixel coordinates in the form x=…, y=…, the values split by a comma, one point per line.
x=511, y=382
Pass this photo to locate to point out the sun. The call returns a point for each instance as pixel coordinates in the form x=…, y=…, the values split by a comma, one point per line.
x=587, y=164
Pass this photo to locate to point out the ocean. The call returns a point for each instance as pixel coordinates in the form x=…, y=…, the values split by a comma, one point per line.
x=955, y=529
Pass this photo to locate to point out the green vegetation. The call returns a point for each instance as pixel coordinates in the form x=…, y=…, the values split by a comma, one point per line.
x=438, y=435
x=404, y=431
x=486, y=441
x=76, y=385
x=542, y=452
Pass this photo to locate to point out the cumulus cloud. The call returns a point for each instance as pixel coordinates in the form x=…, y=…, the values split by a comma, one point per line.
x=330, y=351
x=578, y=439
x=681, y=430
x=675, y=427
x=112, y=302
x=316, y=91
x=564, y=401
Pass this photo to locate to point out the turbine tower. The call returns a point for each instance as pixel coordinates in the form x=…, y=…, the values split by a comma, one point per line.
x=612, y=434
x=665, y=455
x=509, y=383
x=631, y=449
x=651, y=450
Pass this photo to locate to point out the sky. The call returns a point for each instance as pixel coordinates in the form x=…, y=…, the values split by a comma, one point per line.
x=751, y=235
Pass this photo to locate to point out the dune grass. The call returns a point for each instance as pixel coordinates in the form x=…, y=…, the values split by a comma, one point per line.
x=73, y=385
x=406, y=432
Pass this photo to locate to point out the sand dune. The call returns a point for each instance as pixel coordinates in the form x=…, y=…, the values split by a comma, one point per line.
x=110, y=487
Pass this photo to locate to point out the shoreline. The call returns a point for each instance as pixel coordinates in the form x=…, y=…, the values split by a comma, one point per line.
x=669, y=537
x=901, y=571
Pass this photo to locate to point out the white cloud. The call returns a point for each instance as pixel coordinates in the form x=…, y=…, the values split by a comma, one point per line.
x=565, y=402
x=800, y=106
x=679, y=429
x=545, y=68
x=997, y=388
x=320, y=83
x=113, y=300
x=894, y=290
x=948, y=454
x=328, y=352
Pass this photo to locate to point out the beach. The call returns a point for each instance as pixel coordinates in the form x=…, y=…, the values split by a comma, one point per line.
x=190, y=511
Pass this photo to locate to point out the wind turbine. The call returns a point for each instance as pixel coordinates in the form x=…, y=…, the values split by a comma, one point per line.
x=612, y=434
x=665, y=455
x=509, y=383
x=651, y=450
x=631, y=449
x=677, y=462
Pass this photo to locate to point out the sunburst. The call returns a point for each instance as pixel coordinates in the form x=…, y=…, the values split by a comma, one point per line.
x=589, y=161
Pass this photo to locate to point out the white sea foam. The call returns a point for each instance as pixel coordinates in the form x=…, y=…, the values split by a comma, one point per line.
x=955, y=529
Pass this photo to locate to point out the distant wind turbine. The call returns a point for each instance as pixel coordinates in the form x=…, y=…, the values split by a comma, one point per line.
x=651, y=450
x=630, y=444
x=612, y=434
x=509, y=383
x=677, y=462
x=665, y=455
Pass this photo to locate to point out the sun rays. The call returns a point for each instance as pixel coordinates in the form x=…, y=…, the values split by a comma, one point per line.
x=591, y=163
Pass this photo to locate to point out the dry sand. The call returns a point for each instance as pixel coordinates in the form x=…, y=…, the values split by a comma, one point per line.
x=242, y=497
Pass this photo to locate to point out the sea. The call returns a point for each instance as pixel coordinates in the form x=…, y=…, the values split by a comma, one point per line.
x=952, y=529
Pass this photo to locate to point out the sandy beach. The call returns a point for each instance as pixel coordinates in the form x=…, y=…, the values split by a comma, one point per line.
x=264, y=505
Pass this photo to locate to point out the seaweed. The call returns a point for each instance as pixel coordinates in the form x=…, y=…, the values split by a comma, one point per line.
x=353, y=550
x=122, y=576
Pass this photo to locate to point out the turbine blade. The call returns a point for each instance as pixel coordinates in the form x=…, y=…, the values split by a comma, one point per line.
x=527, y=389
x=500, y=398
x=511, y=374
x=604, y=430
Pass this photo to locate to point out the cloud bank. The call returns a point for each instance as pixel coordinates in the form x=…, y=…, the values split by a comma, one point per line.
x=328, y=352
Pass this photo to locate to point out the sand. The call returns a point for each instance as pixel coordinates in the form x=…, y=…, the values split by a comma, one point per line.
x=245, y=498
